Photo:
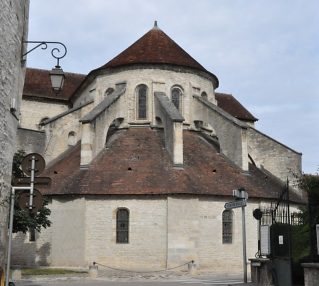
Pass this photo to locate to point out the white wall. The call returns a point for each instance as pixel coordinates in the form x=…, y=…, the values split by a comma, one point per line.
x=163, y=232
x=147, y=233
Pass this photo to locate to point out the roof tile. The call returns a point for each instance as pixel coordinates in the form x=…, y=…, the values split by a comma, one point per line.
x=38, y=84
x=155, y=47
x=232, y=106
x=136, y=163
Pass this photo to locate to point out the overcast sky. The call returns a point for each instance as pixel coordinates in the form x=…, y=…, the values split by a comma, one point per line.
x=266, y=53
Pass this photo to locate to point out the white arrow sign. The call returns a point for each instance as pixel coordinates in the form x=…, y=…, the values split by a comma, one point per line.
x=235, y=204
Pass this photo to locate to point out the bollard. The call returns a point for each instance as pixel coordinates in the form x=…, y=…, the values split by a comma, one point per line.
x=93, y=270
x=192, y=267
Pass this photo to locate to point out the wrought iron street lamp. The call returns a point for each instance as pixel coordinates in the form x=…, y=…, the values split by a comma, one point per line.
x=57, y=79
x=57, y=75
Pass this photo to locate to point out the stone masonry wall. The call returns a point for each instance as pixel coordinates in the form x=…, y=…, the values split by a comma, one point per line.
x=275, y=157
x=147, y=233
x=31, y=141
x=32, y=253
x=32, y=111
x=231, y=132
x=212, y=253
x=163, y=232
x=68, y=231
x=57, y=133
x=13, y=28
x=150, y=77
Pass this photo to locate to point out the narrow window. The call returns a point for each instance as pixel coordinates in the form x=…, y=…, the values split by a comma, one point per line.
x=204, y=95
x=72, y=138
x=227, y=226
x=177, y=97
x=122, y=225
x=108, y=91
x=31, y=234
x=142, y=102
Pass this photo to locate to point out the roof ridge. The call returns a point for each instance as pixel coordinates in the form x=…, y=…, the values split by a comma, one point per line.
x=46, y=70
x=155, y=47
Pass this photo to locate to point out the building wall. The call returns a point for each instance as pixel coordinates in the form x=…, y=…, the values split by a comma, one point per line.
x=212, y=252
x=231, y=132
x=31, y=141
x=32, y=111
x=147, y=233
x=32, y=253
x=13, y=27
x=163, y=232
x=156, y=80
x=68, y=231
x=57, y=134
x=275, y=157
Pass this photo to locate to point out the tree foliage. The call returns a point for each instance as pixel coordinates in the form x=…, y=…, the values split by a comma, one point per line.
x=310, y=184
x=23, y=220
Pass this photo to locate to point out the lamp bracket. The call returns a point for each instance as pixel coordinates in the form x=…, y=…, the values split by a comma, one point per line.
x=55, y=52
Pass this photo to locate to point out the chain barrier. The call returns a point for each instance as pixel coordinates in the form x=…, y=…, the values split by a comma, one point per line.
x=136, y=271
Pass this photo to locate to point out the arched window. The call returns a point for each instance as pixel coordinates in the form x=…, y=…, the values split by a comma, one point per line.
x=122, y=225
x=108, y=91
x=71, y=138
x=227, y=226
x=142, y=101
x=177, y=98
x=40, y=125
x=43, y=119
x=204, y=95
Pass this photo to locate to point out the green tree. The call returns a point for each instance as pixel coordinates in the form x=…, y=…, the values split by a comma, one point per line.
x=310, y=184
x=23, y=221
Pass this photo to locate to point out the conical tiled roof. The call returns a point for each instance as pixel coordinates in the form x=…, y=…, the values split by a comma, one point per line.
x=155, y=47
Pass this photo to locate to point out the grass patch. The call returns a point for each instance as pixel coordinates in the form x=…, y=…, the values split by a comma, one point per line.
x=49, y=271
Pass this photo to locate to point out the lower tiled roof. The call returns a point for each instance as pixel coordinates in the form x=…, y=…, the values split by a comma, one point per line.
x=232, y=106
x=38, y=85
x=136, y=163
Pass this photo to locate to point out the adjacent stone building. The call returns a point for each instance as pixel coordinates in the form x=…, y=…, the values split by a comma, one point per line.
x=13, y=30
x=143, y=154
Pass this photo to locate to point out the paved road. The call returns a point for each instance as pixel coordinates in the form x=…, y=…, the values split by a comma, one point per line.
x=100, y=282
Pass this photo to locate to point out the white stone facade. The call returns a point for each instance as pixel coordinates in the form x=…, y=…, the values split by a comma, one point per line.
x=33, y=111
x=164, y=232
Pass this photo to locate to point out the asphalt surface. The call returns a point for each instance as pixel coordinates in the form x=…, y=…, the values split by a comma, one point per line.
x=143, y=280
x=195, y=282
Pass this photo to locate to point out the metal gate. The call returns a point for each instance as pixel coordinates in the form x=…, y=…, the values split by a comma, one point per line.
x=279, y=218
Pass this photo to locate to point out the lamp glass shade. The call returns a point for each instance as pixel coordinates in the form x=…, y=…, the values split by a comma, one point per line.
x=57, y=78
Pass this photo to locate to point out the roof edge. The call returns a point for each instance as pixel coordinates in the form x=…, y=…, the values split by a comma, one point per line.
x=106, y=70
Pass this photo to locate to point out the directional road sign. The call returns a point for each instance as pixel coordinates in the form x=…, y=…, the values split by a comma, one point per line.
x=235, y=204
x=24, y=200
x=38, y=181
x=39, y=164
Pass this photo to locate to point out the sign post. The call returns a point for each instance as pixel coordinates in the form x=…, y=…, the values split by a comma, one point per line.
x=241, y=201
x=10, y=230
x=32, y=164
x=244, y=242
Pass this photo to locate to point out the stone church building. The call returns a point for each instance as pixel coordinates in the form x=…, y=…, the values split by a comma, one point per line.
x=143, y=153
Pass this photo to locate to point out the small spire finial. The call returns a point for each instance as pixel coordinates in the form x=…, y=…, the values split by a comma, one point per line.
x=155, y=24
